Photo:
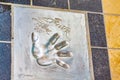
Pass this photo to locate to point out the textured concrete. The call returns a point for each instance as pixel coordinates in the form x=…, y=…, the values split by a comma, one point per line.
x=26, y=21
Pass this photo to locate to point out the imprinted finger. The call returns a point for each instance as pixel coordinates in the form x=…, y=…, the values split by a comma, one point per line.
x=34, y=37
x=54, y=38
x=61, y=45
x=64, y=54
x=44, y=61
x=62, y=64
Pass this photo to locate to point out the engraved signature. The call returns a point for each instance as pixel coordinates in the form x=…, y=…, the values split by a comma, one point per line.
x=42, y=25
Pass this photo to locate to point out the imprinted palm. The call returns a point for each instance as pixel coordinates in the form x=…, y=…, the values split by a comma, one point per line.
x=49, y=53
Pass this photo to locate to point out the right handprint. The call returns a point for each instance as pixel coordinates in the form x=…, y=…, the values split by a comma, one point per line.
x=51, y=52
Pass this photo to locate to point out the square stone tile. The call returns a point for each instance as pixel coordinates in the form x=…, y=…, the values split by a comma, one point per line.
x=114, y=58
x=17, y=1
x=22, y=1
x=5, y=23
x=97, y=30
x=112, y=24
x=113, y=6
x=10, y=1
x=51, y=3
x=101, y=64
x=46, y=23
x=86, y=5
x=5, y=61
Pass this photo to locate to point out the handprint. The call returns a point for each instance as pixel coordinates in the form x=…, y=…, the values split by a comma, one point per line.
x=49, y=53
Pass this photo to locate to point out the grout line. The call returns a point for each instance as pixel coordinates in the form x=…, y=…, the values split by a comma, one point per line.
x=89, y=48
x=31, y=2
x=49, y=8
x=4, y=3
x=5, y=41
x=111, y=14
x=68, y=4
x=104, y=48
x=95, y=12
x=110, y=72
x=105, y=30
x=99, y=47
x=102, y=6
x=106, y=37
x=12, y=44
x=69, y=9
x=103, y=13
x=114, y=48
